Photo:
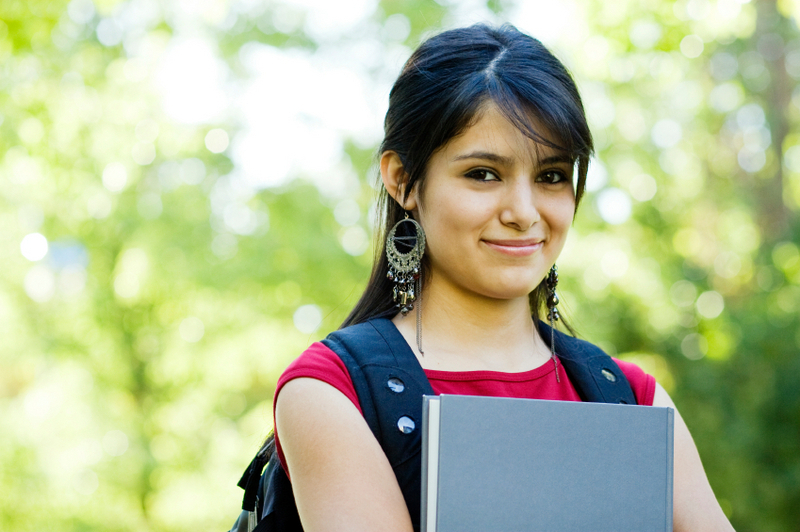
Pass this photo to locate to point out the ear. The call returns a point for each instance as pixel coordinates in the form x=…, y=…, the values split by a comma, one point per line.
x=395, y=178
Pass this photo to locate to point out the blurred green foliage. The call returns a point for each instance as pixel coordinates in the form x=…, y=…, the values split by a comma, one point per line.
x=149, y=300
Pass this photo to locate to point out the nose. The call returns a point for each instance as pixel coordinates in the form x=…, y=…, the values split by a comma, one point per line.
x=519, y=209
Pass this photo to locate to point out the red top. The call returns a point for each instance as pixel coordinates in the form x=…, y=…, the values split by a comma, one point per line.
x=319, y=362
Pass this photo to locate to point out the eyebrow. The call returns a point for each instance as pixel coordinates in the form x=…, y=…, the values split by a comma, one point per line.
x=508, y=161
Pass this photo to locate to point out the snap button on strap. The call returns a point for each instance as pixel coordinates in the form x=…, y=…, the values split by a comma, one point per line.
x=609, y=375
x=406, y=425
x=396, y=385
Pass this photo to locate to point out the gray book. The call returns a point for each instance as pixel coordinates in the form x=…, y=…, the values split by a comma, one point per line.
x=496, y=464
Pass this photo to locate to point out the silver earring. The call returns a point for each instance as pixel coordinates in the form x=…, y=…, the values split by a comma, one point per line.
x=405, y=268
x=552, y=312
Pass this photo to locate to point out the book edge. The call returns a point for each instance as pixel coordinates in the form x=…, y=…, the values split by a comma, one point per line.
x=670, y=466
x=430, y=462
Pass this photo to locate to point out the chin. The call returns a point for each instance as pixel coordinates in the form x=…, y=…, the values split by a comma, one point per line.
x=509, y=293
x=512, y=287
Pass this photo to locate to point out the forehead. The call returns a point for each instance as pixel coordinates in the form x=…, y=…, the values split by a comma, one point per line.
x=490, y=131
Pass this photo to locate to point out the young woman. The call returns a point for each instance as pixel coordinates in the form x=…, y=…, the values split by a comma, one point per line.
x=486, y=148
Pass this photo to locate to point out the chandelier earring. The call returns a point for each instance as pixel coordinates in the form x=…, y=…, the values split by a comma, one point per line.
x=551, y=281
x=405, y=246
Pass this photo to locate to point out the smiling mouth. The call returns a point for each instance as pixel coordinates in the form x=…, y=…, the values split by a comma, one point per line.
x=515, y=248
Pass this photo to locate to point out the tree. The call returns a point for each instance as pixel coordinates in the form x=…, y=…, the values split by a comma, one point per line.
x=187, y=195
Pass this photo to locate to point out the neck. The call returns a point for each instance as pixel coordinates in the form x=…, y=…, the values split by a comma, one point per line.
x=464, y=331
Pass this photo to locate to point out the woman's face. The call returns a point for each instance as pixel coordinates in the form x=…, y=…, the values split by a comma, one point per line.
x=496, y=207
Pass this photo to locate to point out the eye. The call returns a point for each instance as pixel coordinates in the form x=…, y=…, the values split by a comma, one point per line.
x=552, y=177
x=482, y=174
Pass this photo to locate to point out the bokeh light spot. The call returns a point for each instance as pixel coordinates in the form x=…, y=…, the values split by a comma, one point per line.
x=192, y=171
x=307, y=318
x=666, y=133
x=792, y=63
x=726, y=97
x=241, y=219
x=33, y=247
x=751, y=160
x=397, y=27
x=786, y=256
x=115, y=443
x=109, y=32
x=614, y=206
x=792, y=158
x=347, y=212
x=698, y=9
x=143, y=153
x=750, y=116
x=644, y=34
x=192, y=329
x=192, y=80
x=126, y=285
x=683, y=293
x=115, y=177
x=724, y=66
x=81, y=11
x=355, y=240
x=643, y=187
x=694, y=346
x=597, y=176
x=217, y=140
x=727, y=264
x=614, y=263
x=692, y=46
x=40, y=283
x=710, y=304
x=132, y=266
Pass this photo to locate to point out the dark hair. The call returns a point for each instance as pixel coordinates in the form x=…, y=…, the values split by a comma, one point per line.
x=438, y=95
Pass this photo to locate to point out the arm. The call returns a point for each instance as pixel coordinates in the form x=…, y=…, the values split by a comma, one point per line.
x=340, y=475
x=694, y=506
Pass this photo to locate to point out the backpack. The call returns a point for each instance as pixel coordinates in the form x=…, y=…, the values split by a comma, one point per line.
x=390, y=382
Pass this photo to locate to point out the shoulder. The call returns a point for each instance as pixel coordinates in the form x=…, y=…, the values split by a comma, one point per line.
x=341, y=478
x=642, y=384
x=311, y=379
x=316, y=358
x=321, y=363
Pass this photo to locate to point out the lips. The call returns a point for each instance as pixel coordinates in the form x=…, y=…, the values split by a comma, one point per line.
x=514, y=242
x=516, y=247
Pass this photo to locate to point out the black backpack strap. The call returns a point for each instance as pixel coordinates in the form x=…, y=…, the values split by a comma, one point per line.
x=390, y=384
x=595, y=375
x=251, y=480
x=280, y=511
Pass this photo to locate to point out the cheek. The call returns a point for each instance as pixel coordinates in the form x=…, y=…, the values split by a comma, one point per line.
x=452, y=226
x=458, y=217
x=561, y=212
x=565, y=220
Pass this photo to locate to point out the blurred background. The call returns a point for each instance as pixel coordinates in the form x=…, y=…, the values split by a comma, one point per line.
x=186, y=202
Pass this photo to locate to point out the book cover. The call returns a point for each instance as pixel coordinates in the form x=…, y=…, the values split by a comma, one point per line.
x=512, y=465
